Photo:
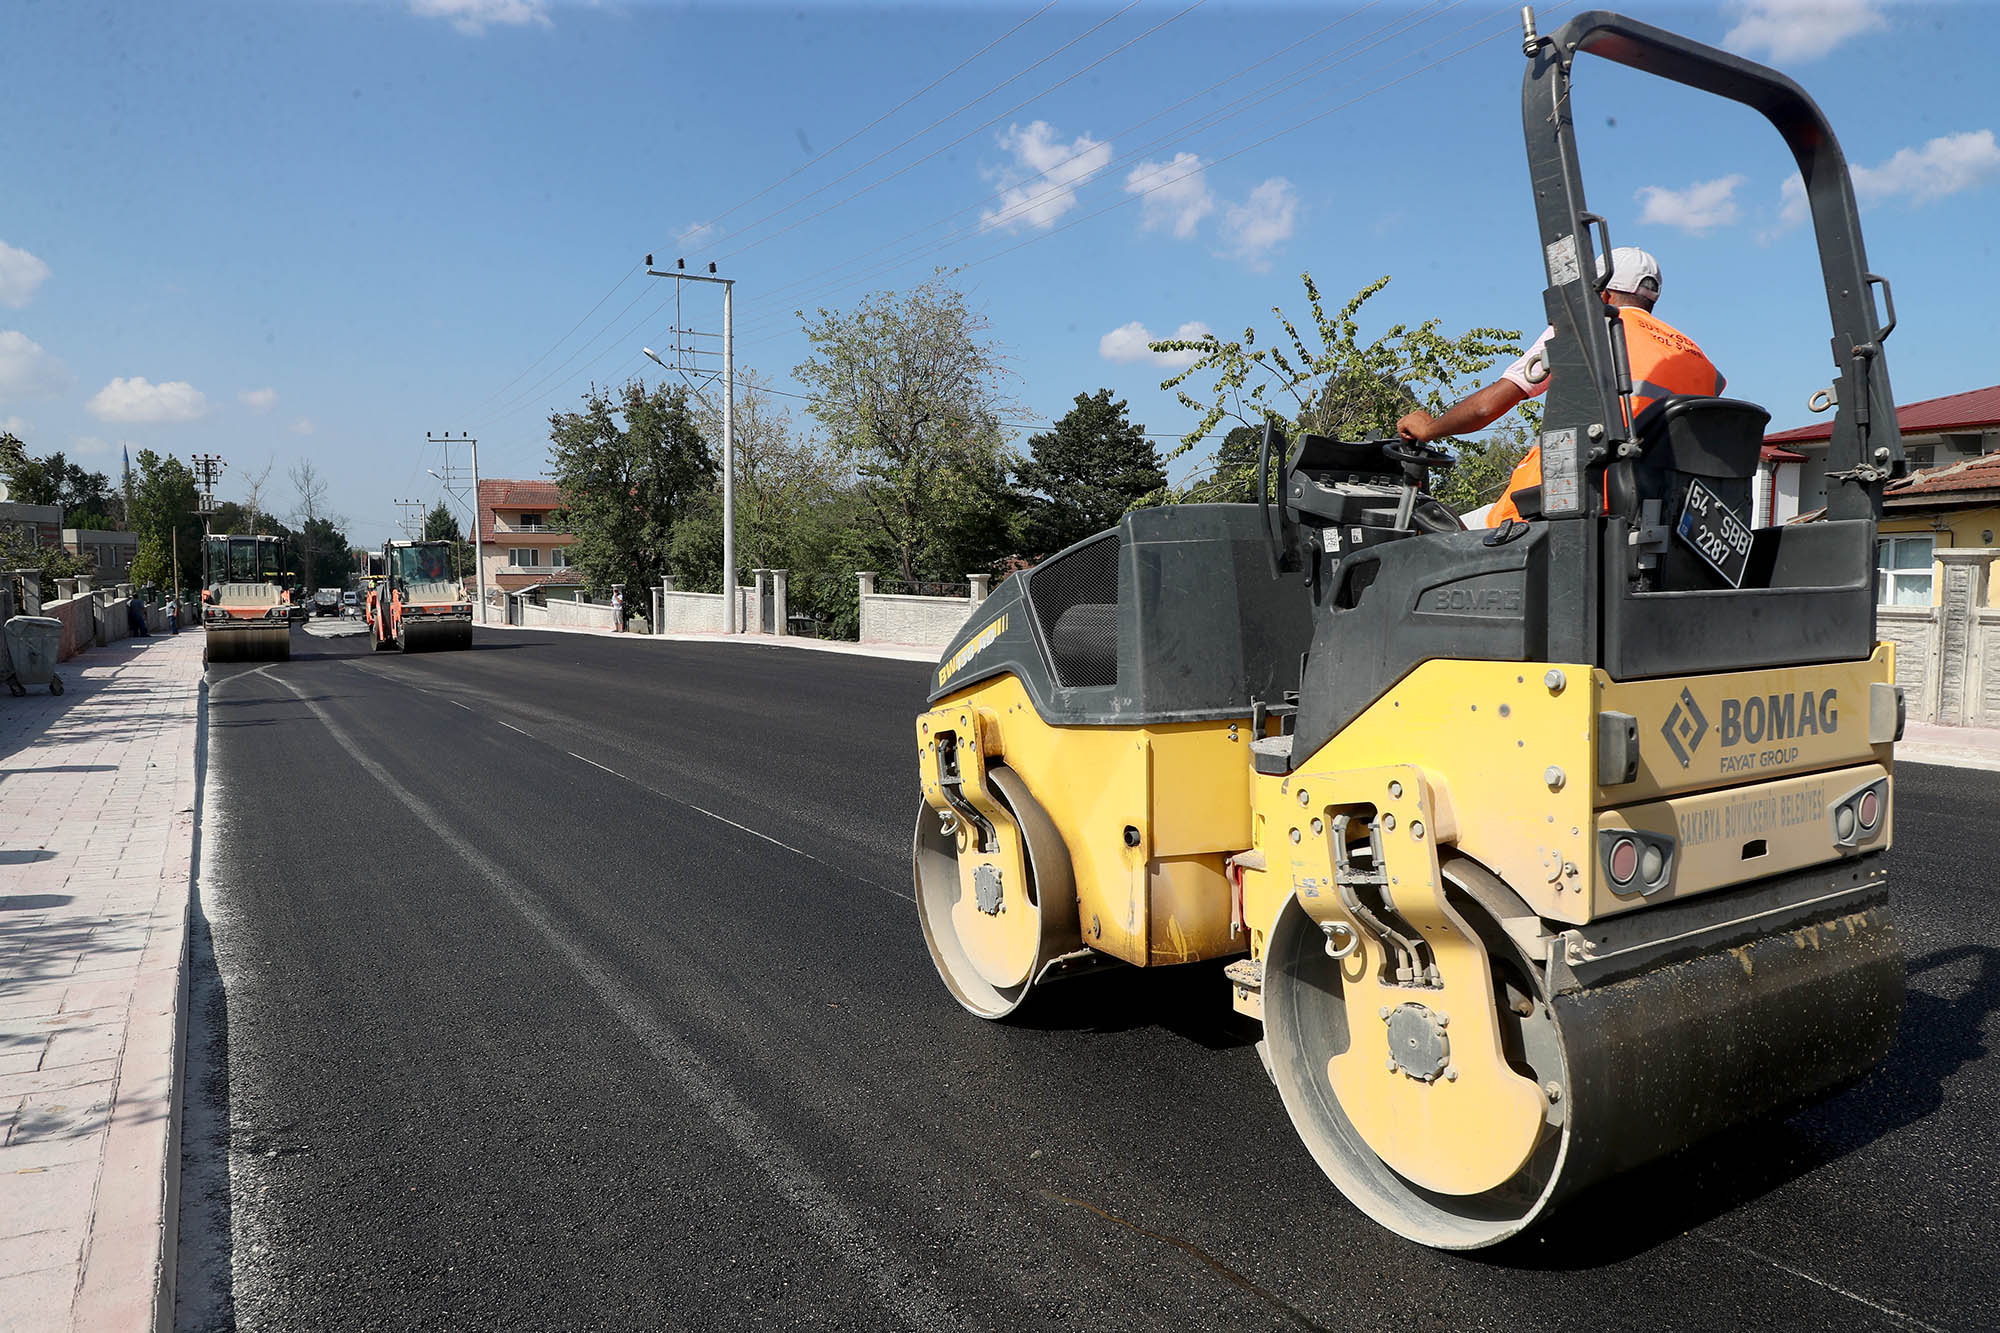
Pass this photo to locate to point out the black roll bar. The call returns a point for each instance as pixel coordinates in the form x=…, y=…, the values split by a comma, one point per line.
x=1586, y=434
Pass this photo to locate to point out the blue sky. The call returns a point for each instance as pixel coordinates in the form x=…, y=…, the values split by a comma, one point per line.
x=321, y=228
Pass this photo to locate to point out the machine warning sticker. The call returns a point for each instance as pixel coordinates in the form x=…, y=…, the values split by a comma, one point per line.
x=958, y=661
x=1717, y=535
x=1559, y=490
x=1562, y=260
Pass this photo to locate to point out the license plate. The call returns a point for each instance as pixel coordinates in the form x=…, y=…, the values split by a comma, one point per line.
x=1715, y=533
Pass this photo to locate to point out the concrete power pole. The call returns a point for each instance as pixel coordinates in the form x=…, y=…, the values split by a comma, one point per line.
x=731, y=621
x=450, y=480
x=205, y=467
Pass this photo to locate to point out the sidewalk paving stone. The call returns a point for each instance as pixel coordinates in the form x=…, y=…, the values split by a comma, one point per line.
x=98, y=789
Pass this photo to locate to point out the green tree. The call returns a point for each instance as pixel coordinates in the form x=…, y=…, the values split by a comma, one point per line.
x=163, y=504
x=83, y=496
x=441, y=525
x=907, y=389
x=1080, y=477
x=1331, y=384
x=630, y=468
x=1484, y=464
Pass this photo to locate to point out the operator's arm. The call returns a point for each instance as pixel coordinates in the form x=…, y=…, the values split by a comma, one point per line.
x=1476, y=411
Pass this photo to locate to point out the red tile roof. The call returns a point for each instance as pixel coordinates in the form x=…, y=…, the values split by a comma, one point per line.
x=1974, y=409
x=1974, y=474
x=1971, y=482
x=504, y=493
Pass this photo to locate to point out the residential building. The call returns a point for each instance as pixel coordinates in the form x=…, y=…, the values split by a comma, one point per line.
x=527, y=545
x=1937, y=433
x=110, y=553
x=41, y=525
x=1936, y=558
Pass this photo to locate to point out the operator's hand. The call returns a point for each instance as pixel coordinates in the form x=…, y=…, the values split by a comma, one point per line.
x=1417, y=426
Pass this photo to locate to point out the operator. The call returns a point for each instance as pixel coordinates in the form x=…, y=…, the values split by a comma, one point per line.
x=1664, y=362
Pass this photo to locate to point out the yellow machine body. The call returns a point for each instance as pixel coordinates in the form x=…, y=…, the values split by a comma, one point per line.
x=1180, y=852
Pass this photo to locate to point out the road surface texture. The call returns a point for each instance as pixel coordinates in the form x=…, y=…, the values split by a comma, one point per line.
x=569, y=982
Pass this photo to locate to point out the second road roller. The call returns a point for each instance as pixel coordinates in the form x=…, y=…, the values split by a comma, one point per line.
x=419, y=605
x=1540, y=851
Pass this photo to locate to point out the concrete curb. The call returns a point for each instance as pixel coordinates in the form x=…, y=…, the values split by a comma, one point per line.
x=897, y=652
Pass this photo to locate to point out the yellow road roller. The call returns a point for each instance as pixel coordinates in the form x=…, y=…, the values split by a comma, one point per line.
x=419, y=605
x=246, y=616
x=1539, y=851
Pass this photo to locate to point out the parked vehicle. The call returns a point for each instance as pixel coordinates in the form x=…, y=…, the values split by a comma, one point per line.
x=326, y=602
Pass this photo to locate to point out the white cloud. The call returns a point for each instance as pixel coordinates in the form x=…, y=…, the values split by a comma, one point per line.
x=138, y=399
x=1944, y=166
x=1700, y=207
x=26, y=370
x=258, y=400
x=471, y=16
x=1173, y=194
x=694, y=233
x=1044, y=176
x=1129, y=342
x=88, y=444
x=1269, y=216
x=1788, y=31
x=303, y=426
x=20, y=274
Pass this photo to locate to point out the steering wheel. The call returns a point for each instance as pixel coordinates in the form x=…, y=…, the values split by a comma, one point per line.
x=1416, y=455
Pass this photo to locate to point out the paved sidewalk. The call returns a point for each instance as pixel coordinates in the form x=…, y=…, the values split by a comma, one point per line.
x=97, y=823
x=1954, y=747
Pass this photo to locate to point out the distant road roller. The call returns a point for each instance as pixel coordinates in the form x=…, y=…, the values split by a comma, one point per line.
x=419, y=605
x=1541, y=851
x=245, y=614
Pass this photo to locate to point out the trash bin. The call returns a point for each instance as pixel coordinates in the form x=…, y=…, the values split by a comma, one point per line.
x=33, y=644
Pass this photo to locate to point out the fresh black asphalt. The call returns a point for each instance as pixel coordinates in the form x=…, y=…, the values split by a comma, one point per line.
x=570, y=982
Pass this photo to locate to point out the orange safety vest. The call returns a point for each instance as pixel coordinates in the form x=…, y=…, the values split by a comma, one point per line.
x=1665, y=362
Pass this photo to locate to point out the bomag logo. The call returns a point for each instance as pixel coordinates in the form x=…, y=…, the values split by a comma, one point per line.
x=957, y=662
x=1757, y=719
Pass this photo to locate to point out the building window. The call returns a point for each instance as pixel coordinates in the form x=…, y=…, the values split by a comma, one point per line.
x=1903, y=570
x=559, y=557
x=529, y=520
x=524, y=557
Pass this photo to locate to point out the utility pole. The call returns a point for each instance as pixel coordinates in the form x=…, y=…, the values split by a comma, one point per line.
x=206, y=466
x=679, y=273
x=412, y=521
x=450, y=482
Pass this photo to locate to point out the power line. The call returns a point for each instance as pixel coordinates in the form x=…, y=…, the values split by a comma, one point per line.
x=1167, y=110
x=632, y=359
x=1311, y=69
x=941, y=120
x=987, y=124
x=502, y=390
x=822, y=156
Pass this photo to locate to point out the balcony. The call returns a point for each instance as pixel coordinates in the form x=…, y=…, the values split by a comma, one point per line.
x=500, y=525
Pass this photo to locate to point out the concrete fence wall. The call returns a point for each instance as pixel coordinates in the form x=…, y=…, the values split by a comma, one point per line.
x=917, y=622
x=678, y=612
x=1914, y=631
x=582, y=615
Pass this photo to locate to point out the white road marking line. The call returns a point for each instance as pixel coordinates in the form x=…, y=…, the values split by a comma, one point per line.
x=684, y=804
x=594, y=764
x=456, y=704
x=1909, y=1320
x=819, y=1208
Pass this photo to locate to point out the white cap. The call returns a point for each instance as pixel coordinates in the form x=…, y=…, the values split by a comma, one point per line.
x=1631, y=266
